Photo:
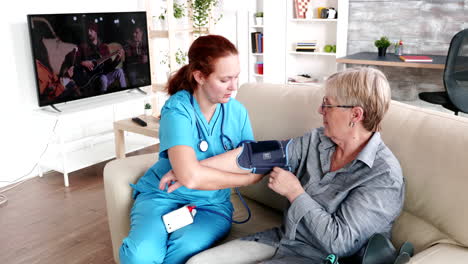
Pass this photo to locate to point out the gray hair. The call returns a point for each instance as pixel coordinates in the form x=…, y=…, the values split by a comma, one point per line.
x=364, y=87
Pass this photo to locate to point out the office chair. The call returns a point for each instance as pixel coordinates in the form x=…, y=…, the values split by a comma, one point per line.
x=455, y=98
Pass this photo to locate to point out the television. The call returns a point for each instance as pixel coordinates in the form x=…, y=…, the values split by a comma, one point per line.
x=82, y=55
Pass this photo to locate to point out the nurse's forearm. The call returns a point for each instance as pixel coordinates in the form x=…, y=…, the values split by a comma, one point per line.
x=225, y=162
x=194, y=175
x=224, y=165
x=206, y=178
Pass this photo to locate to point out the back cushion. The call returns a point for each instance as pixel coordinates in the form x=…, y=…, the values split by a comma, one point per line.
x=432, y=148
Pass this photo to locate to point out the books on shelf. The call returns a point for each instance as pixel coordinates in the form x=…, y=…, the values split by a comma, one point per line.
x=306, y=46
x=257, y=42
x=408, y=58
x=305, y=50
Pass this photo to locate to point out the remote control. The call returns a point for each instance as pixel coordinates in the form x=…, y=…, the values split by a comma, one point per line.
x=139, y=121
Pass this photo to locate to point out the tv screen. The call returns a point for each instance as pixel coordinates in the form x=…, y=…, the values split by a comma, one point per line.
x=82, y=55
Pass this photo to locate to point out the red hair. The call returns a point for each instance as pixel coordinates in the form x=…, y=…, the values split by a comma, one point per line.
x=202, y=55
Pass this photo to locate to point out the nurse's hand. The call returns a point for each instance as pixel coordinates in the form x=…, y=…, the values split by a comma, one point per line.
x=170, y=180
x=256, y=177
x=285, y=183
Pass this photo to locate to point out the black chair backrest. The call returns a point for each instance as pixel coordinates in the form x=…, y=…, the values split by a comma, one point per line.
x=456, y=71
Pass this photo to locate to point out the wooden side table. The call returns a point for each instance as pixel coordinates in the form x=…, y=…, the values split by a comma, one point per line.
x=151, y=130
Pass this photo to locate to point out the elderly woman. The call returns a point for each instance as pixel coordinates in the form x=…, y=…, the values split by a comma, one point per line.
x=345, y=183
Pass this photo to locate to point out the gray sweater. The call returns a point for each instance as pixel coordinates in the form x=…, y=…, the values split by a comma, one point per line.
x=339, y=210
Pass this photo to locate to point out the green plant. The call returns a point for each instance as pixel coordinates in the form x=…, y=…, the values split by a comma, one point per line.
x=179, y=11
x=202, y=12
x=259, y=14
x=383, y=42
x=181, y=57
x=147, y=106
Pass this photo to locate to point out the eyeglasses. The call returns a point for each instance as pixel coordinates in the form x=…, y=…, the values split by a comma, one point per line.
x=324, y=105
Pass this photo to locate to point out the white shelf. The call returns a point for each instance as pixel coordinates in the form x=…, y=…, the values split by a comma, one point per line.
x=257, y=54
x=94, y=102
x=84, y=134
x=91, y=155
x=322, y=31
x=257, y=75
x=313, y=53
x=257, y=26
x=313, y=20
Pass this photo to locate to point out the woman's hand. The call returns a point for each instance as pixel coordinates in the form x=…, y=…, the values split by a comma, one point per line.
x=285, y=183
x=171, y=181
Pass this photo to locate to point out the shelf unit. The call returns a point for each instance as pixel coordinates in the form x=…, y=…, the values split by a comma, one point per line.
x=319, y=64
x=254, y=58
x=66, y=160
x=173, y=34
x=83, y=138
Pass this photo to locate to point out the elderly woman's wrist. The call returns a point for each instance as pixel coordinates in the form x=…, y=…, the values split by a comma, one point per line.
x=293, y=195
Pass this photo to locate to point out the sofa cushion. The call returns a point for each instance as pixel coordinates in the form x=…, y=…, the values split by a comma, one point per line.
x=432, y=149
x=262, y=218
x=281, y=112
x=440, y=254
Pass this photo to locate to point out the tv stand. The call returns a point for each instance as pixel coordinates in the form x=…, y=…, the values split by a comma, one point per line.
x=55, y=108
x=141, y=91
x=85, y=134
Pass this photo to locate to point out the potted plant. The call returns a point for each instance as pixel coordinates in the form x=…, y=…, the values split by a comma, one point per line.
x=202, y=13
x=179, y=12
x=382, y=44
x=181, y=59
x=148, y=111
x=259, y=18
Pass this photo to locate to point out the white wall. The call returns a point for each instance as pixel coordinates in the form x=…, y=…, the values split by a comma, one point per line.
x=24, y=133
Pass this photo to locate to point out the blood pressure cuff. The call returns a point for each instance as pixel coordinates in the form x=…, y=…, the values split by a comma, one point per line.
x=260, y=157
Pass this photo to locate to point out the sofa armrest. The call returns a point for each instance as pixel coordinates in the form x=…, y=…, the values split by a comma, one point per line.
x=118, y=174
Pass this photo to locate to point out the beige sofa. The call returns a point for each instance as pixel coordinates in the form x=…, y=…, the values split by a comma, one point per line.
x=432, y=148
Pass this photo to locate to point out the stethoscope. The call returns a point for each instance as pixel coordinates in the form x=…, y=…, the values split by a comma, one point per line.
x=202, y=143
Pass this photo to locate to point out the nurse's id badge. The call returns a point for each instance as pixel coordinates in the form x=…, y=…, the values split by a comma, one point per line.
x=179, y=218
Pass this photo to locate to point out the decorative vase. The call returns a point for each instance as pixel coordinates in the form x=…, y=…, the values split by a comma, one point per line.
x=382, y=51
x=162, y=24
x=259, y=21
x=148, y=112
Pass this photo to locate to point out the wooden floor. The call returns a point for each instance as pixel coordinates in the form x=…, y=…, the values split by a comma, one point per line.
x=45, y=222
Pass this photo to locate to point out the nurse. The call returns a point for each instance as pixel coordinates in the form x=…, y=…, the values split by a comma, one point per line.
x=198, y=121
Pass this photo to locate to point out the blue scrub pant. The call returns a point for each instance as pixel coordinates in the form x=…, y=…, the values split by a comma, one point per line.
x=148, y=241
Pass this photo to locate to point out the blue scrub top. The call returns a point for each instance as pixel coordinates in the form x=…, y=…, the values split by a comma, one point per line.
x=178, y=127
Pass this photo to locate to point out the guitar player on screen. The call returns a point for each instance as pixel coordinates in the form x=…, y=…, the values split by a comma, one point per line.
x=96, y=69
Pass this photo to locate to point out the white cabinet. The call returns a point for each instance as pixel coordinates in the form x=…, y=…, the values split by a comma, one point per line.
x=282, y=31
x=83, y=134
x=319, y=31
x=273, y=32
x=255, y=38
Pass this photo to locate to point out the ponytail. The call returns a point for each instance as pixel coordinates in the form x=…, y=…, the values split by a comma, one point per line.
x=181, y=80
x=202, y=55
